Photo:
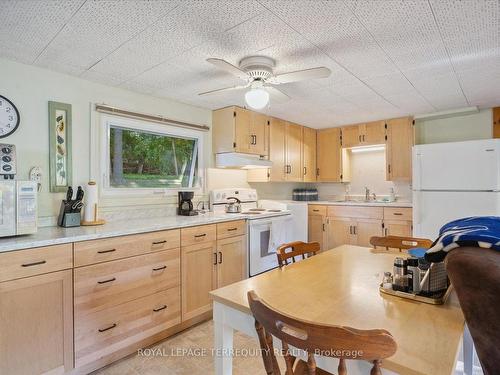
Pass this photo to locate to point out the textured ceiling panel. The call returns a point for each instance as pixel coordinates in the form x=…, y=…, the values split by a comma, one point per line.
x=388, y=57
x=100, y=27
x=26, y=27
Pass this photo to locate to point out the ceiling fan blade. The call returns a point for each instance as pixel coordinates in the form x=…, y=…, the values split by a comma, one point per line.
x=224, y=65
x=277, y=95
x=223, y=89
x=301, y=75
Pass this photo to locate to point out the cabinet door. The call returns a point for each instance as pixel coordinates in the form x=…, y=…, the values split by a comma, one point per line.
x=293, y=149
x=398, y=149
x=258, y=125
x=351, y=136
x=198, y=278
x=340, y=231
x=329, y=161
x=402, y=228
x=36, y=324
x=496, y=122
x=232, y=256
x=277, y=149
x=366, y=229
x=374, y=133
x=242, y=130
x=309, y=154
x=317, y=230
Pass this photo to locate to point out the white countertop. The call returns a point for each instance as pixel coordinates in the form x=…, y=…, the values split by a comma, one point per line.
x=361, y=203
x=56, y=235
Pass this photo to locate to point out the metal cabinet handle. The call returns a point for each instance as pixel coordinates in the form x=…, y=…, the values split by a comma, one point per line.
x=350, y=229
x=160, y=308
x=315, y=210
x=200, y=235
x=323, y=227
x=359, y=137
x=363, y=137
x=305, y=171
x=389, y=168
x=220, y=257
x=386, y=231
x=255, y=139
x=215, y=259
x=107, y=328
x=232, y=229
x=106, y=281
x=159, y=242
x=354, y=229
x=106, y=251
x=398, y=213
x=34, y=263
x=159, y=268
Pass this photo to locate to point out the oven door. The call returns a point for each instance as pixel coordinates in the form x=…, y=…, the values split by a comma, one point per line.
x=260, y=259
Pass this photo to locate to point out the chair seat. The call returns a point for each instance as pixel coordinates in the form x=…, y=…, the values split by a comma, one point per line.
x=301, y=369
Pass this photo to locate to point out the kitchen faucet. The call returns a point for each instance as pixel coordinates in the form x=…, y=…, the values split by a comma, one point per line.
x=367, y=194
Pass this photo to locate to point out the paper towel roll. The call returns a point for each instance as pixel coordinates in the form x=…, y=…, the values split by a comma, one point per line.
x=90, y=206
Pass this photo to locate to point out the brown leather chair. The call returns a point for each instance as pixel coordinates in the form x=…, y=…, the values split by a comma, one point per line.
x=475, y=275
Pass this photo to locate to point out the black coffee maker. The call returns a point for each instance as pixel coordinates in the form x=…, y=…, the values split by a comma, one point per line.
x=185, y=204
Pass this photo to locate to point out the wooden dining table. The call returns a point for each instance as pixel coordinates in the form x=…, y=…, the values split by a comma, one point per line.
x=341, y=287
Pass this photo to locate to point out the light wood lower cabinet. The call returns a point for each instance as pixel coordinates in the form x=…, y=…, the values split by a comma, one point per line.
x=36, y=324
x=317, y=230
x=199, y=277
x=231, y=263
x=211, y=265
x=339, y=231
x=110, y=330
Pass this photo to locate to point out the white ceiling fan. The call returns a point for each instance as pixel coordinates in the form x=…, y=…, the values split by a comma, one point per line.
x=257, y=72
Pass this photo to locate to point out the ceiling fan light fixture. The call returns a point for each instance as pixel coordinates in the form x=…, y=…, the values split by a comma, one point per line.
x=257, y=98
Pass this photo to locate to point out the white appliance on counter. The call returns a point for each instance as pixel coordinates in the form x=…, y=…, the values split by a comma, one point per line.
x=452, y=181
x=261, y=221
x=18, y=207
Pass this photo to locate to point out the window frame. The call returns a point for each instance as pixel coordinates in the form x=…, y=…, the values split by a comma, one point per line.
x=108, y=121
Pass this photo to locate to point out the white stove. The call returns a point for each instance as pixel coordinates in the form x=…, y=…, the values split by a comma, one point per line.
x=267, y=227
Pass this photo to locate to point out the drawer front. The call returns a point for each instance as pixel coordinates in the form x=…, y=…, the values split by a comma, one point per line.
x=36, y=261
x=361, y=212
x=231, y=229
x=108, y=284
x=97, y=251
x=109, y=330
x=397, y=213
x=199, y=234
x=316, y=209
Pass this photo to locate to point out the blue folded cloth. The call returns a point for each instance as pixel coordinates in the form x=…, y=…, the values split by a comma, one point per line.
x=477, y=231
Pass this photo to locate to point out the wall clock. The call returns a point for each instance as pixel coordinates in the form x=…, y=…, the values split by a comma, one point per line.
x=9, y=117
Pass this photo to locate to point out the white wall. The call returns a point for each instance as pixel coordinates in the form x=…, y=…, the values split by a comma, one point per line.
x=31, y=88
x=455, y=128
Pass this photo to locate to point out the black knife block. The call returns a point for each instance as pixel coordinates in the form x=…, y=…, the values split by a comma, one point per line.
x=68, y=219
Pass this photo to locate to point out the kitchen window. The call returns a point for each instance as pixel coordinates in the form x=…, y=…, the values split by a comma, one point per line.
x=141, y=156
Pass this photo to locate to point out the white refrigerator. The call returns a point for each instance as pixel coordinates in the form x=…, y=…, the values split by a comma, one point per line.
x=452, y=181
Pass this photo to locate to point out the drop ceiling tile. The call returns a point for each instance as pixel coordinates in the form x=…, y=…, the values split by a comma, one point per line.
x=100, y=27
x=410, y=103
x=390, y=84
x=105, y=79
x=26, y=27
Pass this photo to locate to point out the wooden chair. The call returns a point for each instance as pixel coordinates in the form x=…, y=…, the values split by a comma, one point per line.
x=401, y=243
x=298, y=248
x=344, y=343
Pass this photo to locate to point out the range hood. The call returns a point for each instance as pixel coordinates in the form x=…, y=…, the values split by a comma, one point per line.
x=235, y=160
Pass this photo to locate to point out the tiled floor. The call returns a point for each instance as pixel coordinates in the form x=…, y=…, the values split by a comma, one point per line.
x=167, y=357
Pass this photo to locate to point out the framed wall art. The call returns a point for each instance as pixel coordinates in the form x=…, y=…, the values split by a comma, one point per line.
x=60, y=165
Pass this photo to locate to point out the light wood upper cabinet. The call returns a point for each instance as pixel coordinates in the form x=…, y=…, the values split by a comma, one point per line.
x=277, y=155
x=36, y=324
x=329, y=155
x=496, y=122
x=351, y=136
x=373, y=133
x=295, y=170
x=236, y=129
x=400, y=139
x=309, y=154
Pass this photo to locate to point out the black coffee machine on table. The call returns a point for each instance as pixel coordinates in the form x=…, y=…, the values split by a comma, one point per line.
x=185, y=204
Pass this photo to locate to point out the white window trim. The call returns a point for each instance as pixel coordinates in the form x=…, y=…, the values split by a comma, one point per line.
x=107, y=121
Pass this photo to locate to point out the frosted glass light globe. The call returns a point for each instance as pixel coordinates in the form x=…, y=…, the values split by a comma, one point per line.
x=257, y=98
